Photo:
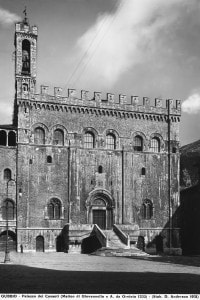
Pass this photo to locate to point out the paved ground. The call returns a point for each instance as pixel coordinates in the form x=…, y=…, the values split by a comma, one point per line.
x=65, y=273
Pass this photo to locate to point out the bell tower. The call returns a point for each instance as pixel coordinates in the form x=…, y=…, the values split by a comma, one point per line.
x=25, y=58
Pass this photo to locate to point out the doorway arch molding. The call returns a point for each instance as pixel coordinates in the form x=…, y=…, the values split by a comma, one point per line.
x=100, y=199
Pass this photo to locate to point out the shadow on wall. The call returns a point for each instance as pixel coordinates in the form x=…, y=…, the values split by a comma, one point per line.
x=190, y=204
x=160, y=243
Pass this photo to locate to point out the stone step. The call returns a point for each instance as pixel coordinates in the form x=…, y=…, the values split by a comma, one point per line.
x=107, y=251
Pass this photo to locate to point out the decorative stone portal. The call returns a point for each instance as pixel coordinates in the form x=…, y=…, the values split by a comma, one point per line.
x=100, y=209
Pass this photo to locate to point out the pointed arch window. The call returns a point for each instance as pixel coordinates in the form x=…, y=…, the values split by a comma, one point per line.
x=110, y=141
x=54, y=209
x=138, y=143
x=155, y=144
x=89, y=140
x=39, y=136
x=147, y=209
x=58, y=137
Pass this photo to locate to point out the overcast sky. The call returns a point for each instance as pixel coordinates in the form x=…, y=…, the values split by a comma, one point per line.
x=136, y=47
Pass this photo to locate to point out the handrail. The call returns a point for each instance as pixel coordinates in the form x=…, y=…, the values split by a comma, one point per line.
x=100, y=235
x=122, y=236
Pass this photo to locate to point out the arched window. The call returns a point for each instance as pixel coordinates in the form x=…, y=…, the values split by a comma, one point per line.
x=8, y=210
x=110, y=141
x=3, y=138
x=138, y=143
x=7, y=174
x=58, y=137
x=25, y=87
x=155, y=145
x=11, y=138
x=147, y=209
x=89, y=140
x=25, y=57
x=54, y=209
x=39, y=136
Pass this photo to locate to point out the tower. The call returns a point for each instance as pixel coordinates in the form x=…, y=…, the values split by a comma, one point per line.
x=25, y=58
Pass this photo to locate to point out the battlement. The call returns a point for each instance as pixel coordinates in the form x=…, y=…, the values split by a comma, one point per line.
x=110, y=101
x=23, y=27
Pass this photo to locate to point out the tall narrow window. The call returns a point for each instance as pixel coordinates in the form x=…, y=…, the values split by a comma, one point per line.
x=7, y=174
x=110, y=141
x=89, y=140
x=3, y=138
x=147, y=209
x=39, y=136
x=11, y=138
x=54, y=209
x=25, y=57
x=138, y=143
x=155, y=145
x=58, y=137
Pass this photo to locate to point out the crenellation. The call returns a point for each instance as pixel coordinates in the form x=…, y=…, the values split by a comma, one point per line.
x=71, y=93
x=23, y=27
x=97, y=96
x=122, y=99
x=134, y=100
x=84, y=95
x=158, y=102
x=44, y=89
x=146, y=101
x=111, y=98
x=57, y=92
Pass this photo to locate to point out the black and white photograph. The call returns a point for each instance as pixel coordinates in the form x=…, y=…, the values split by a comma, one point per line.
x=100, y=149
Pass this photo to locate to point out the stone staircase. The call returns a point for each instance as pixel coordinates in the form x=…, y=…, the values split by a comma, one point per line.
x=114, y=241
x=115, y=247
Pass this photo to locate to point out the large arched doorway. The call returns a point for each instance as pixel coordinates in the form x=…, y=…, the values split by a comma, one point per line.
x=100, y=206
x=39, y=243
x=11, y=241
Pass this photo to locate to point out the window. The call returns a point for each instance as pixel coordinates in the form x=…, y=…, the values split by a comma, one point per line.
x=25, y=57
x=100, y=169
x=89, y=140
x=143, y=172
x=3, y=138
x=11, y=138
x=39, y=136
x=7, y=174
x=25, y=87
x=54, y=209
x=58, y=137
x=110, y=141
x=8, y=211
x=147, y=209
x=138, y=143
x=155, y=144
x=49, y=159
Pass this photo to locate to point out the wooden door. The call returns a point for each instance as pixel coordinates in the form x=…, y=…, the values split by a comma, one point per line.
x=99, y=218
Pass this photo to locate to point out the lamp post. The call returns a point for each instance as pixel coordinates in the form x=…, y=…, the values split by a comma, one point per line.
x=7, y=253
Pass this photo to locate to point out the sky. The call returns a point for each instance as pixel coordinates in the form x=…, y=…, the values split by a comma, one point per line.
x=145, y=48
